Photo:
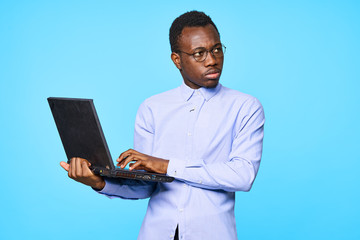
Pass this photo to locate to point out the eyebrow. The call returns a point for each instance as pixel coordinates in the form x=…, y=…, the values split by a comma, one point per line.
x=198, y=48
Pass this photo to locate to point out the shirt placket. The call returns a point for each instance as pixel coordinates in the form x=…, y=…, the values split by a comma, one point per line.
x=193, y=112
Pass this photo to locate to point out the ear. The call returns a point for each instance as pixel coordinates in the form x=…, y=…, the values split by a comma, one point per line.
x=175, y=57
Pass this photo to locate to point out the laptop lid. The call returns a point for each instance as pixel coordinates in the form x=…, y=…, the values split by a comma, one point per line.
x=80, y=130
x=82, y=136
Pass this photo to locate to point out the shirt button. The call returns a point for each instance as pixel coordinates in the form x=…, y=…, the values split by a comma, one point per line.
x=184, y=185
x=189, y=134
x=171, y=236
x=181, y=209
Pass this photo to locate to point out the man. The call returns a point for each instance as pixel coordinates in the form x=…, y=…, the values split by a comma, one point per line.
x=206, y=136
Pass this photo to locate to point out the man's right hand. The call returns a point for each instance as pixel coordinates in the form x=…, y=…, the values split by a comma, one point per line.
x=79, y=170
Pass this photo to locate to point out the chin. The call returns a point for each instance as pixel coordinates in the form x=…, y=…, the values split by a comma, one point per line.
x=208, y=83
x=211, y=83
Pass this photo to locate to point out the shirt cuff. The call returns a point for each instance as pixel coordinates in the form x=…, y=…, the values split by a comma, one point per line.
x=109, y=188
x=176, y=168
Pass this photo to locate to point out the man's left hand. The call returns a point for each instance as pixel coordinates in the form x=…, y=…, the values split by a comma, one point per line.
x=142, y=162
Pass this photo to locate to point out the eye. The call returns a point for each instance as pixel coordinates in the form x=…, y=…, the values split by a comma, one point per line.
x=199, y=53
x=217, y=50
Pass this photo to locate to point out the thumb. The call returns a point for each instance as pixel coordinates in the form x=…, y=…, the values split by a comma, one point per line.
x=65, y=165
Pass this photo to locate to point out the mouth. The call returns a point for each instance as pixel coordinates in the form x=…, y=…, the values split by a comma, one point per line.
x=213, y=74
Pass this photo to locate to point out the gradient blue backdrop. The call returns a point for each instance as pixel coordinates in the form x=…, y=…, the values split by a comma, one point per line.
x=300, y=58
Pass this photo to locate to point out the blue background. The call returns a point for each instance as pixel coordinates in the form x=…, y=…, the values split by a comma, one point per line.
x=299, y=58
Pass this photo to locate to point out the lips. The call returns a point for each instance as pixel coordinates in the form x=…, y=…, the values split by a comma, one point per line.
x=212, y=73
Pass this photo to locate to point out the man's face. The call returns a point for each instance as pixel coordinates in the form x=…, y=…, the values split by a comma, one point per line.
x=198, y=74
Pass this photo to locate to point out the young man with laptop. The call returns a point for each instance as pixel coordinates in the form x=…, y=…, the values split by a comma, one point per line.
x=206, y=136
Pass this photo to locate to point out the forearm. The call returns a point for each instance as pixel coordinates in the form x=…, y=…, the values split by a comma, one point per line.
x=236, y=175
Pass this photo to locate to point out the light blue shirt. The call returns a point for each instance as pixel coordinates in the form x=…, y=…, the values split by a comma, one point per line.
x=213, y=139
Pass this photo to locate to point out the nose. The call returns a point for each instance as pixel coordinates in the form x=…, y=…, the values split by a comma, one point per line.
x=210, y=59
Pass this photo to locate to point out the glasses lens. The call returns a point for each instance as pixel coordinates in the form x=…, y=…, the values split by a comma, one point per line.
x=218, y=51
x=200, y=55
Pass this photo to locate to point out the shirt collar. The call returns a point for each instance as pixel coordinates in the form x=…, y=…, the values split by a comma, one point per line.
x=207, y=93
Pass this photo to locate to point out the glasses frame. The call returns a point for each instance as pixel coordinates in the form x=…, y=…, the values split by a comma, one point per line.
x=206, y=52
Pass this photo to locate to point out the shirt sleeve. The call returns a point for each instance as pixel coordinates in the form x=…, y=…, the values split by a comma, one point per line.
x=126, y=188
x=143, y=141
x=238, y=172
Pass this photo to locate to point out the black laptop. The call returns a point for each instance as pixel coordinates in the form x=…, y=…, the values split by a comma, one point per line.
x=82, y=136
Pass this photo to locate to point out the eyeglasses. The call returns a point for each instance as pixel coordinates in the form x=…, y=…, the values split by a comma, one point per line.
x=201, y=53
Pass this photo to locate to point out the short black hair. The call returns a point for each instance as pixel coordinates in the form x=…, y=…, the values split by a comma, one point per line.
x=188, y=19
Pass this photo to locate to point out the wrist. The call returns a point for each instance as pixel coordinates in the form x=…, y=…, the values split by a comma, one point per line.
x=99, y=186
x=166, y=164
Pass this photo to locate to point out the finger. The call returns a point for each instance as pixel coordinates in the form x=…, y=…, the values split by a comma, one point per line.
x=72, y=171
x=128, y=160
x=125, y=161
x=131, y=165
x=65, y=165
x=69, y=172
x=124, y=155
x=121, y=160
x=136, y=165
x=78, y=170
x=85, y=169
